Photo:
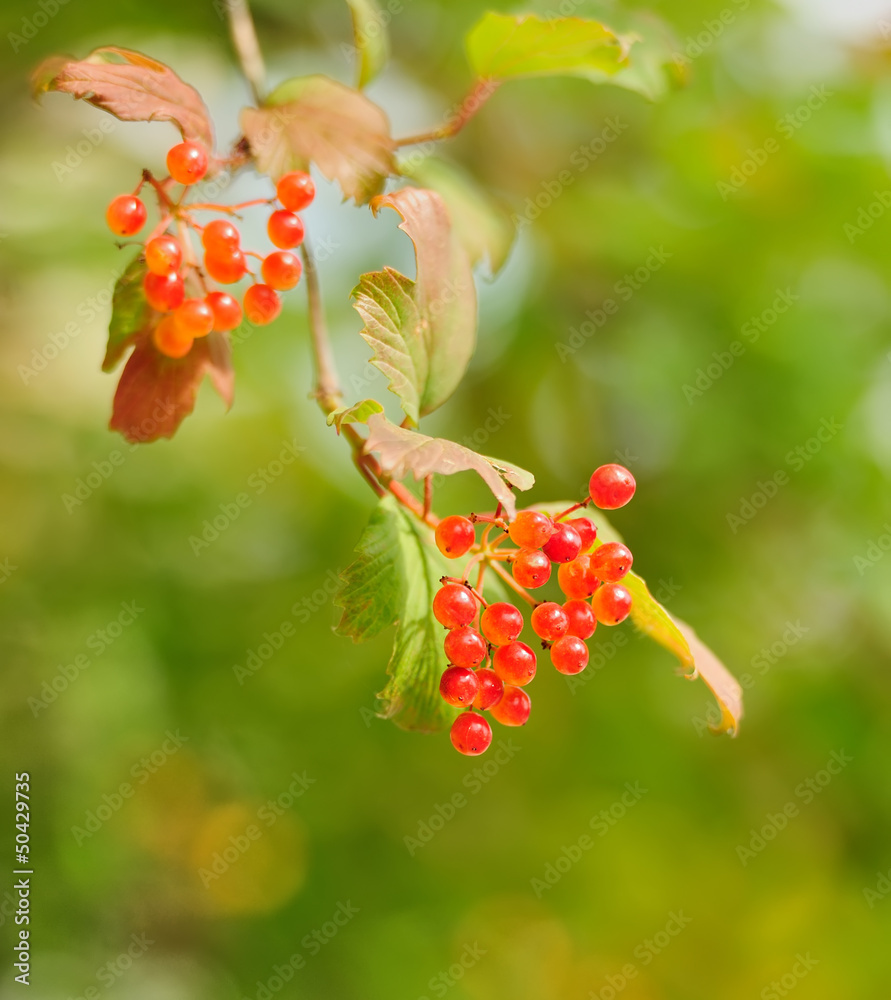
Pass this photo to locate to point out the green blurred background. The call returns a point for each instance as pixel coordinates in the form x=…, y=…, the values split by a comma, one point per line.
x=810, y=556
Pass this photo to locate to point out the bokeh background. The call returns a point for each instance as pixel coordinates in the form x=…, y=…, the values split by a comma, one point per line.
x=120, y=910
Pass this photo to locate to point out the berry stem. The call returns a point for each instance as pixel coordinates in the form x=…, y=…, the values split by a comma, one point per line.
x=247, y=48
x=512, y=583
x=163, y=197
x=477, y=96
x=464, y=583
x=574, y=507
x=209, y=206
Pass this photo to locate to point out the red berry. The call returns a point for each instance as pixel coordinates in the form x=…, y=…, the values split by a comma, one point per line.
x=261, y=304
x=587, y=530
x=187, y=162
x=454, y=536
x=513, y=708
x=170, y=339
x=611, y=603
x=577, y=579
x=491, y=689
x=163, y=292
x=225, y=265
x=295, y=190
x=194, y=317
x=163, y=255
x=530, y=529
x=285, y=229
x=501, y=623
x=611, y=561
x=471, y=734
x=459, y=686
x=125, y=215
x=569, y=655
x=532, y=568
x=281, y=270
x=611, y=486
x=514, y=663
x=564, y=545
x=549, y=621
x=581, y=619
x=220, y=235
x=454, y=605
x=226, y=310
x=465, y=647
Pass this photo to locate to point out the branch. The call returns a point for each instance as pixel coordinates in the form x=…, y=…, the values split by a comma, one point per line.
x=327, y=388
x=479, y=93
x=247, y=48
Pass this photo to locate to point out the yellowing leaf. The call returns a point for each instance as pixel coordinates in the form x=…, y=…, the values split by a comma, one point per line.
x=506, y=46
x=358, y=413
x=403, y=451
x=316, y=119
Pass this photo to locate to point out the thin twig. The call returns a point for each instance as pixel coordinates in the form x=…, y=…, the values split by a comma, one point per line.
x=479, y=93
x=327, y=388
x=247, y=48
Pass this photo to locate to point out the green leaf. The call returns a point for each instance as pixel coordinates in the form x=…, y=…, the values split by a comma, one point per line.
x=131, y=86
x=393, y=581
x=506, y=46
x=656, y=63
x=482, y=224
x=316, y=119
x=652, y=619
x=402, y=451
x=131, y=315
x=371, y=39
x=423, y=332
x=358, y=413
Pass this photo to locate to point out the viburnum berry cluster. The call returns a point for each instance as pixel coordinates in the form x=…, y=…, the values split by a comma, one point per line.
x=489, y=665
x=176, y=281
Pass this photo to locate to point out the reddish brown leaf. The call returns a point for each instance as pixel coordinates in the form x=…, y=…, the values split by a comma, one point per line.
x=156, y=393
x=316, y=119
x=130, y=86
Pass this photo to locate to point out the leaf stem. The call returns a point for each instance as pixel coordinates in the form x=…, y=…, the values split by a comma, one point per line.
x=247, y=47
x=476, y=97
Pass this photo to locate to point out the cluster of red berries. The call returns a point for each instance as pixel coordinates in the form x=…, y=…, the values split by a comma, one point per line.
x=589, y=581
x=171, y=265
